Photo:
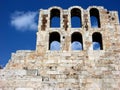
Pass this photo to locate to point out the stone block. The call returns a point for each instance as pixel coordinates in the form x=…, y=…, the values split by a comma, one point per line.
x=32, y=72
x=24, y=89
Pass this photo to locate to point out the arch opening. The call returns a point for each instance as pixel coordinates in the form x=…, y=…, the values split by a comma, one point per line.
x=76, y=41
x=55, y=18
x=97, y=41
x=94, y=18
x=54, y=41
x=76, y=21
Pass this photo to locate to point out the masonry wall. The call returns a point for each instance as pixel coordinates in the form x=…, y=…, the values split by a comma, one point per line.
x=67, y=69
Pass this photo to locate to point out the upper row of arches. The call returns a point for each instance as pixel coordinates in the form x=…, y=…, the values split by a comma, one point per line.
x=76, y=16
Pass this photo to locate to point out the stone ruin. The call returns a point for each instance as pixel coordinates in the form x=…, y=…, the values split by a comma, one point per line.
x=62, y=67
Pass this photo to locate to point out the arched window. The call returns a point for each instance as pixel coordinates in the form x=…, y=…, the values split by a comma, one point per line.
x=97, y=41
x=94, y=18
x=76, y=18
x=54, y=41
x=76, y=41
x=55, y=18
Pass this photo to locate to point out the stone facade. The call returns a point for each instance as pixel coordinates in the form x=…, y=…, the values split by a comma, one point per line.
x=67, y=69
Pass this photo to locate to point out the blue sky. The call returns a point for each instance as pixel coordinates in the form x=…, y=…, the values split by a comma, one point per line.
x=19, y=18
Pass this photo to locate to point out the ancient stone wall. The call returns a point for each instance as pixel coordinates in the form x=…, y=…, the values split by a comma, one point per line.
x=67, y=69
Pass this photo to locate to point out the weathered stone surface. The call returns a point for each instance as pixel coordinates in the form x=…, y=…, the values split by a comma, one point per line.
x=67, y=69
x=24, y=89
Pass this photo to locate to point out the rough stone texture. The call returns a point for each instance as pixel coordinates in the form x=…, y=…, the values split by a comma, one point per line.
x=66, y=69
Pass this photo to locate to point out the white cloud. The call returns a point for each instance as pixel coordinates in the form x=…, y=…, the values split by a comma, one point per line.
x=24, y=21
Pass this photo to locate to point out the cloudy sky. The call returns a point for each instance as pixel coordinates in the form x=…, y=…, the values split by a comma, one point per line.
x=19, y=20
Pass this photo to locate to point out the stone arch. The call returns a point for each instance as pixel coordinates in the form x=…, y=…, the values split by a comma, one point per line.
x=95, y=18
x=55, y=17
x=54, y=41
x=97, y=41
x=76, y=41
x=76, y=17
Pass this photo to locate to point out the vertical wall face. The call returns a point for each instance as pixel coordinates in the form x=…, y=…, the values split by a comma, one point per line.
x=76, y=20
x=82, y=48
x=80, y=52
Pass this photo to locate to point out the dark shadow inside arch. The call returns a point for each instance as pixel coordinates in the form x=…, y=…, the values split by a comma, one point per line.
x=97, y=41
x=76, y=21
x=54, y=41
x=95, y=18
x=76, y=41
x=55, y=18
